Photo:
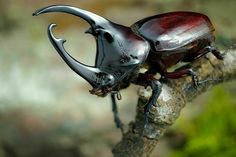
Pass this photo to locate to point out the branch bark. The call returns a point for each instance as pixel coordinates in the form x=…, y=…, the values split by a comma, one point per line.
x=175, y=94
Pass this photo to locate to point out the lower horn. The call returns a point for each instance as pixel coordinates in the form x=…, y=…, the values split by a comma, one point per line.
x=89, y=73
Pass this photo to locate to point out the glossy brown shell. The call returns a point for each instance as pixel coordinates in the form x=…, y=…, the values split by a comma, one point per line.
x=172, y=31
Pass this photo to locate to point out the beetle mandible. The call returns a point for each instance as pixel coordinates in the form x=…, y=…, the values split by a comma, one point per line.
x=160, y=42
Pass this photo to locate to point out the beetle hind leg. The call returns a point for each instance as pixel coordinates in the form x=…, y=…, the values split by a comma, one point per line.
x=216, y=52
x=220, y=55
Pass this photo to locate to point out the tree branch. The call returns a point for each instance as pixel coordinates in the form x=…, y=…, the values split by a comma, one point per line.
x=175, y=94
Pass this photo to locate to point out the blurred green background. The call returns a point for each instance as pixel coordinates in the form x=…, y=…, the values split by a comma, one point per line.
x=46, y=109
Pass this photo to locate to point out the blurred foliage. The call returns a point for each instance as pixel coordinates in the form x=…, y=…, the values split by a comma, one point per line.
x=212, y=133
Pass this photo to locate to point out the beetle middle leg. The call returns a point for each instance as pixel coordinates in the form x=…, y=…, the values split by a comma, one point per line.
x=179, y=73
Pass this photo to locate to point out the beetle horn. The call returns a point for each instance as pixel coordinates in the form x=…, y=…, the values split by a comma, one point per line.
x=89, y=73
x=90, y=17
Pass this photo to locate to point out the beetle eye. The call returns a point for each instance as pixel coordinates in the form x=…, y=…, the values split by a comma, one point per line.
x=108, y=37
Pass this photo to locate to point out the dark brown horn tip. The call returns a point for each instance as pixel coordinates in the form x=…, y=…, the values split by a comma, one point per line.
x=42, y=10
x=36, y=13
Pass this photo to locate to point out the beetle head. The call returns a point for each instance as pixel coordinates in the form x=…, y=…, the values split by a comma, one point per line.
x=119, y=50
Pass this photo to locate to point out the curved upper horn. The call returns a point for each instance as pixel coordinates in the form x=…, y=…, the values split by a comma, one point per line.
x=89, y=73
x=90, y=17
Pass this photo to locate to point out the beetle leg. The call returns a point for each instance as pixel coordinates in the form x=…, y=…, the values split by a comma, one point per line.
x=195, y=79
x=205, y=51
x=149, y=80
x=179, y=73
x=194, y=76
x=221, y=55
x=215, y=52
x=156, y=91
x=117, y=120
x=183, y=72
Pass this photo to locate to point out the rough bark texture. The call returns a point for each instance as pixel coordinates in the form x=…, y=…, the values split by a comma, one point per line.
x=175, y=94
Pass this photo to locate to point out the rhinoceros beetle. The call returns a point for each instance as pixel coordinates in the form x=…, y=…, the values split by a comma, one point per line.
x=156, y=43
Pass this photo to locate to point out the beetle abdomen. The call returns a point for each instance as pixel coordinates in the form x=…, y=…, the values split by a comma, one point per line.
x=171, y=31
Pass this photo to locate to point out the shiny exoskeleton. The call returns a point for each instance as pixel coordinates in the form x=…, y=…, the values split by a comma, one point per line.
x=158, y=42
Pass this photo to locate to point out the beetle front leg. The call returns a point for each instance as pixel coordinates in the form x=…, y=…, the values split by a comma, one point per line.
x=156, y=91
x=117, y=120
x=149, y=80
